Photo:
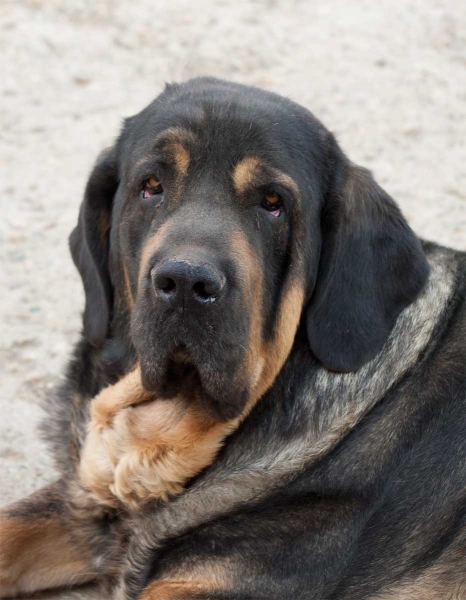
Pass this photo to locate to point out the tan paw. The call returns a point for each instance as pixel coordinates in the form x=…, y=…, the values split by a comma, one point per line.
x=134, y=454
x=102, y=410
x=96, y=470
x=142, y=476
x=128, y=391
x=163, y=444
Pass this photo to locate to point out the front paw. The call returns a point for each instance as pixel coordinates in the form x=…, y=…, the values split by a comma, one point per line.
x=149, y=451
x=96, y=471
x=102, y=411
x=141, y=476
x=106, y=406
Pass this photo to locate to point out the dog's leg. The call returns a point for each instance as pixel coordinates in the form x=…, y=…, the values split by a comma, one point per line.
x=136, y=453
x=43, y=544
x=104, y=445
x=150, y=451
x=162, y=445
x=128, y=391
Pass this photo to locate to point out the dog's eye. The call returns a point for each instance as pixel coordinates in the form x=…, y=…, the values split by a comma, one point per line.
x=273, y=203
x=151, y=187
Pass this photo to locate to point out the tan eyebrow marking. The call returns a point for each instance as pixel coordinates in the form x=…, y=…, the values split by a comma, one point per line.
x=181, y=157
x=247, y=170
x=174, y=141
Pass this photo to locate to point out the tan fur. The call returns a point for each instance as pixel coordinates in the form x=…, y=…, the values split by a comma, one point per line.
x=99, y=458
x=173, y=590
x=244, y=173
x=248, y=169
x=36, y=554
x=176, y=134
x=276, y=351
x=181, y=157
x=166, y=444
x=266, y=358
x=252, y=290
x=174, y=141
x=149, y=452
x=151, y=246
x=196, y=579
x=127, y=392
x=97, y=470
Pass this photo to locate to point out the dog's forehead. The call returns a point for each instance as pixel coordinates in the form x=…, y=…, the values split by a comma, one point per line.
x=206, y=134
x=221, y=128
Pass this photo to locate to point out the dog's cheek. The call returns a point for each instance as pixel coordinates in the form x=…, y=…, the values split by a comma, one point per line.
x=274, y=352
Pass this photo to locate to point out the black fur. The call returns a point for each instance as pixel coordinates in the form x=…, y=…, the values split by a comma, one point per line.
x=89, y=246
x=372, y=266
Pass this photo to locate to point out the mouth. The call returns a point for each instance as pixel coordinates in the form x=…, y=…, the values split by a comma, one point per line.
x=203, y=359
x=177, y=372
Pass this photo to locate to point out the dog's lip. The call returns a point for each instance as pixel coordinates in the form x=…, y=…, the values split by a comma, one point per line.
x=179, y=370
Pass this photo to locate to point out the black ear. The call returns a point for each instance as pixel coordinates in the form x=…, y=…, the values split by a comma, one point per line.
x=89, y=244
x=372, y=266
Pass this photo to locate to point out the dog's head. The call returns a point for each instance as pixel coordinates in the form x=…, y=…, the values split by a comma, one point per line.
x=224, y=217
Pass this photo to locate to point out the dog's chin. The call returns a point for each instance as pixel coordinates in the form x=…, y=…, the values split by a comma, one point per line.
x=180, y=377
x=176, y=374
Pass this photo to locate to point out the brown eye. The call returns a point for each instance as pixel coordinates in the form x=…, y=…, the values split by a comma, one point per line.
x=151, y=187
x=272, y=203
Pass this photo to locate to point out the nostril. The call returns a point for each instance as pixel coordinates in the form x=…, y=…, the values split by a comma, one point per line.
x=209, y=288
x=166, y=284
x=203, y=291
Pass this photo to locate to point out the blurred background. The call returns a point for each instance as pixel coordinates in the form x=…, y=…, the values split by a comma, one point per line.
x=387, y=77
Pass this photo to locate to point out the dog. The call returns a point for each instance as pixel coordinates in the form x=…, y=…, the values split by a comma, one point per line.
x=268, y=397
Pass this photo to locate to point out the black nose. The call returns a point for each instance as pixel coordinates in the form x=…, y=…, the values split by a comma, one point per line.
x=182, y=283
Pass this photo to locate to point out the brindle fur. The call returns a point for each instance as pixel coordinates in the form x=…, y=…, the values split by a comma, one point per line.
x=336, y=375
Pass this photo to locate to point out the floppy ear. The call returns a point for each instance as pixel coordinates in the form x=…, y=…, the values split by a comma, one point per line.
x=372, y=266
x=89, y=244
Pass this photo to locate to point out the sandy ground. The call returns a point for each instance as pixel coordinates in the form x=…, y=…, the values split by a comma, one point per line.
x=388, y=77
